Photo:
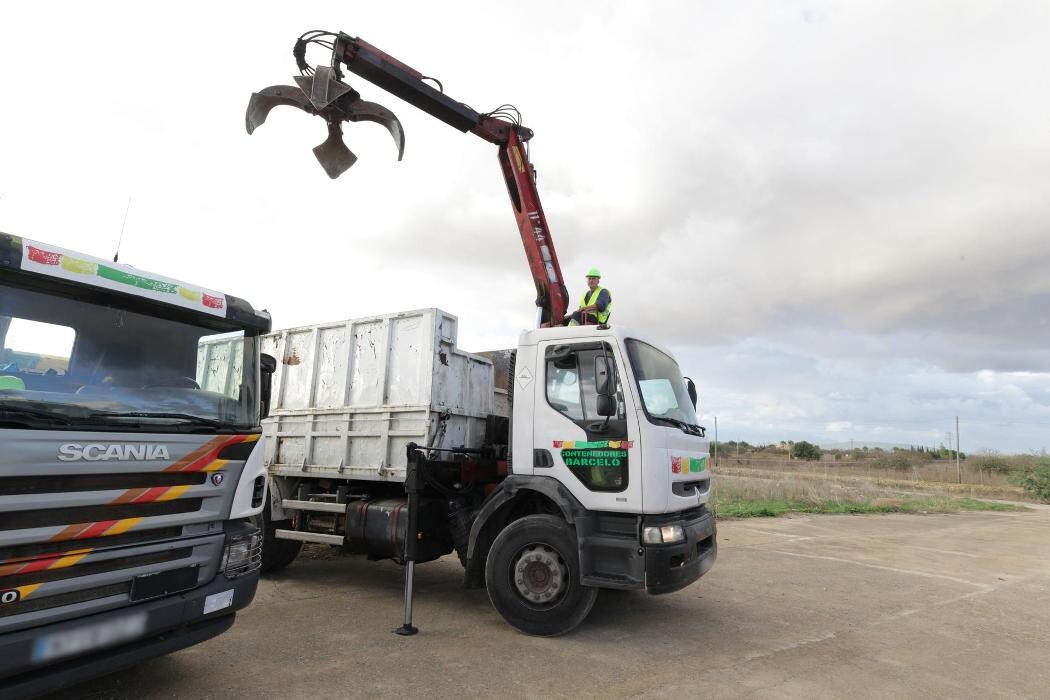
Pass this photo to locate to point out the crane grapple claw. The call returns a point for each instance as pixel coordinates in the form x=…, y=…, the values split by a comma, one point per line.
x=362, y=111
x=260, y=103
x=333, y=155
x=323, y=95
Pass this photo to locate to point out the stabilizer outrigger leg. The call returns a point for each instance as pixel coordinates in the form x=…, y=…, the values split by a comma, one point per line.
x=413, y=487
x=323, y=95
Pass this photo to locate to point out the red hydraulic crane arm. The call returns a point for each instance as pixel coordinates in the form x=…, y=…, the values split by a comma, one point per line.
x=395, y=77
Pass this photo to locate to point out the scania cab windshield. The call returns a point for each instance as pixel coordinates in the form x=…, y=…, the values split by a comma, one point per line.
x=660, y=382
x=95, y=366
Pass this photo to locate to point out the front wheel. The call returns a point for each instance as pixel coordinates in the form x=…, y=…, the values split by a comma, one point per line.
x=533, y=577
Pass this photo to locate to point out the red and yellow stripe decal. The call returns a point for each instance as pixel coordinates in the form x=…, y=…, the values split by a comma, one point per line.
x=44, y=562
x=205, y=458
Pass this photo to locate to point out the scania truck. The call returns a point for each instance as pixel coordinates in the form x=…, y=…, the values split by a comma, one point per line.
x=130, y=464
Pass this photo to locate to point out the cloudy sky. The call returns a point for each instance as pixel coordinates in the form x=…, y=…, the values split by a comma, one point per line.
x=836, y=213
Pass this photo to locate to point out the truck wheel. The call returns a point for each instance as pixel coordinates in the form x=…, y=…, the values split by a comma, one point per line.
x=533, y=577
x=276, y=553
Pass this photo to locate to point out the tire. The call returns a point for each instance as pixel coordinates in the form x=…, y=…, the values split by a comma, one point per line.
x=533, y=577
x=276, y=553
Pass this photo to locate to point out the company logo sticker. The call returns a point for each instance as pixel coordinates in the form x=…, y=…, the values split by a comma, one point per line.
x=597, y=444
x=602, y=465
x=688, y=465
x=58, y=262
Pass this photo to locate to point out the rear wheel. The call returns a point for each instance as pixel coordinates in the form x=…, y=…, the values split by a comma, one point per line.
x=276, y=553
x=533, y=577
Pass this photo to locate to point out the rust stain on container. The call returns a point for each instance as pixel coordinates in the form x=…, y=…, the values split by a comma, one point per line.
x=444, y=358
x=292, y=360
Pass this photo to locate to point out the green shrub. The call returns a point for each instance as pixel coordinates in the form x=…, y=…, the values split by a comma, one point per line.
x=991, y=464
x=897, y=461
x=805, y=450
x=1036, y=479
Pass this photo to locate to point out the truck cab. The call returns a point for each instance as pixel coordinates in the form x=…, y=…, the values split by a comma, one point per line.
x=604, y=425
x=130, y=408
x=627, y=458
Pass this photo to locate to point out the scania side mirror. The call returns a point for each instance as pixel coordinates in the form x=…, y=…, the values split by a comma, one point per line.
x=691, y=389
x=267, y=366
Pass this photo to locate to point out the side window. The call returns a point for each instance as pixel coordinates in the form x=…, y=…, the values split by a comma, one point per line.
x=220, y=363
x=34, y=355
x=571, y=386
x=563, y=384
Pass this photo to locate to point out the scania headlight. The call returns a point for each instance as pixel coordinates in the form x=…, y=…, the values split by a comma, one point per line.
x=665, y=534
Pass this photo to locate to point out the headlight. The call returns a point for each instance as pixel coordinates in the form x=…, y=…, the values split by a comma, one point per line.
x=666, y=534
x=242, y=555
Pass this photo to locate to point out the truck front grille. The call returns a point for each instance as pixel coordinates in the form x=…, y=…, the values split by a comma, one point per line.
x=71, y=483
x=18, y=520
x=54, y=601
x=35, y=549
x=96, y=567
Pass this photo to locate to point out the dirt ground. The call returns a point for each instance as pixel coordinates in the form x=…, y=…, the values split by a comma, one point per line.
x=796, y=607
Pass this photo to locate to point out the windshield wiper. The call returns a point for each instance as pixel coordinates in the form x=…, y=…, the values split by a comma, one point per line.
x=176, y=416
x=683, y=426
x=36, y=413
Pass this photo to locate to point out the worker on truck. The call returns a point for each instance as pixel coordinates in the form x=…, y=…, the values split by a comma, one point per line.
x=596, y=304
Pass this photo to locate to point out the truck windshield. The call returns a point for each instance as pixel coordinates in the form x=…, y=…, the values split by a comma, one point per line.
x=74, y=364
x=661, y=385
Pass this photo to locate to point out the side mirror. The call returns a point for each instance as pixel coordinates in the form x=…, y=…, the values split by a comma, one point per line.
x=267, y=363
x=606, y=405
x=267, y=366
x=604, y=378
x=690, y=387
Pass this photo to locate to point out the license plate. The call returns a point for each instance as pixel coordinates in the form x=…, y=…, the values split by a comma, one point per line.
x=163, y=583
x=87, y=638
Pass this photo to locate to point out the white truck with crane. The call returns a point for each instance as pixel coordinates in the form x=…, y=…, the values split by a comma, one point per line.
x=572, y=463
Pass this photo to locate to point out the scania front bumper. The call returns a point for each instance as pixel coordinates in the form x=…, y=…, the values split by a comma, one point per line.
x=55, y=656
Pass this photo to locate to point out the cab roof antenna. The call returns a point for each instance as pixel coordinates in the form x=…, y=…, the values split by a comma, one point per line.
x=120, y=240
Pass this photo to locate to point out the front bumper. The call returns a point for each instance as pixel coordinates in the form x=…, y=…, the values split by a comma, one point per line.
x=670, y=567
x=171, y=623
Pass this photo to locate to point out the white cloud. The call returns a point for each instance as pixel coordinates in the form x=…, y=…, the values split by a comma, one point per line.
x=843, y=214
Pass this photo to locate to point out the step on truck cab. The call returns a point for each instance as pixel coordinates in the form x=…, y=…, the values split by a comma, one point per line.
x=129, y=464
x=571, y=463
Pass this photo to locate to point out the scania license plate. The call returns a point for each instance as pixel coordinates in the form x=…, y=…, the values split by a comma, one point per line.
x=89, y=637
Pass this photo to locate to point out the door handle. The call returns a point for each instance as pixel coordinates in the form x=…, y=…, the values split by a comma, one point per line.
x=542, y=459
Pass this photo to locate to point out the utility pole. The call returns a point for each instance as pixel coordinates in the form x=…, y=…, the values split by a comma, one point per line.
x=715, y=457
x=958, y=466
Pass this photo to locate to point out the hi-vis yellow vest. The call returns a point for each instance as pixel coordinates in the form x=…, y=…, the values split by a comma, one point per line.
x=590, y=297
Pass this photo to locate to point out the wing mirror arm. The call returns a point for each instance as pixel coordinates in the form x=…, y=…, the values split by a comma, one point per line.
x=690, y=388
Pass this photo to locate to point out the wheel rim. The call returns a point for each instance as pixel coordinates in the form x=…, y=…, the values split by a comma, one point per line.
x=540, y=575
